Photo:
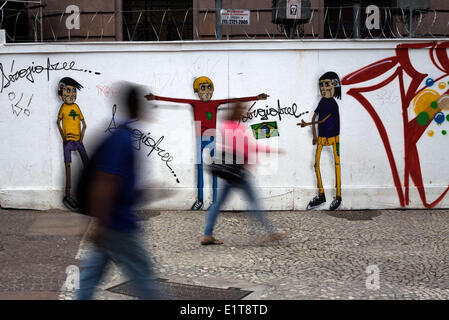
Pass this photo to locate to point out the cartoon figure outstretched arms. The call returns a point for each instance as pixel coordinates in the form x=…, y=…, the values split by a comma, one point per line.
x=205, y=114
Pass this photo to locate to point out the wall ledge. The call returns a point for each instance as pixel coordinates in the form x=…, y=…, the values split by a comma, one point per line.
x=272, y=198
x=217, y=45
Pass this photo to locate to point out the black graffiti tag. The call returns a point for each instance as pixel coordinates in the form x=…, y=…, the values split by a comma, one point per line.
x=18, y=106
x=153, y=145
x=145, y=139
x=274, y=112
x=32, y=70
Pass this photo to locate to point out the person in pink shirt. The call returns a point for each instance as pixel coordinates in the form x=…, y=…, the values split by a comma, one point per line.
x=242, y=146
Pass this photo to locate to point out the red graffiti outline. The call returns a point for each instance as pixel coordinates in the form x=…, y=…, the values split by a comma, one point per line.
x=412, y=131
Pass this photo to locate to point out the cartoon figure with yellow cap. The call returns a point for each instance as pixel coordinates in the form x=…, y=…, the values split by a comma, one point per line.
x=205, y=113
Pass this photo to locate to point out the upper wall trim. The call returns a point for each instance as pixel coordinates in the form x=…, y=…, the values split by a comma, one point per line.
x=226, y=45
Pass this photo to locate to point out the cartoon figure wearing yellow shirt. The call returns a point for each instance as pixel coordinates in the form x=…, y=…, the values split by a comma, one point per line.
x=71, y=133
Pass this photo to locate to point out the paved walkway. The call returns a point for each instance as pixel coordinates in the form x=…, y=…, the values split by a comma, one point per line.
x=326, y=255
x=35, y=250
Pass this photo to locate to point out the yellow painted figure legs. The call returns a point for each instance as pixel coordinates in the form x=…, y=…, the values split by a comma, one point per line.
x=335, y=143
x=328, y=134
x=317, y=167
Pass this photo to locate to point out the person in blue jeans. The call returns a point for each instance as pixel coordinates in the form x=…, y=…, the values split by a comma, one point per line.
x=239, y=143
x=111, y=194
x=255, y=210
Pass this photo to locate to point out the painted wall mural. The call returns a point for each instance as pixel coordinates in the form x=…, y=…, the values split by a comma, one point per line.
x=428, y=99
x=327, y=117
x=71, y=131
x=15, y=74
x=389, y=105
x=205, y=117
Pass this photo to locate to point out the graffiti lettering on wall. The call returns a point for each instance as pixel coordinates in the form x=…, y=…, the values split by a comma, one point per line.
x=205, y=113
x=428, y=105
x=327, y=117
x=274, y=112
x=265, y=130
x=107, y=91
x=19, y=104
x=71, y=133
x=201, y=65
x=204, y=65
x=386, y=97
x=141, y=139
x=29, y=72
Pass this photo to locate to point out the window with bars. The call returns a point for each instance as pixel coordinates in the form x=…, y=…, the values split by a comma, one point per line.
x=340, y=18
x=14, y=19
x=157, y=20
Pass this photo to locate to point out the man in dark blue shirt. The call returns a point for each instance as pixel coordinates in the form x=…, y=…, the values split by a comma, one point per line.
x=114, y=163
x=110, y=198
x=328, y=134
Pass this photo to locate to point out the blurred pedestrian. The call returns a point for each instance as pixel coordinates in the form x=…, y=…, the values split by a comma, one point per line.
x=110, y=198
x=238, y=145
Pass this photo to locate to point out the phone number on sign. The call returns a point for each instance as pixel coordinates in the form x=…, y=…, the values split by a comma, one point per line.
x=234, y=21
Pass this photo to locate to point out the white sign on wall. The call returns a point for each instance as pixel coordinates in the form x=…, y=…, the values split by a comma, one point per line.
x=293, y=9
x=235, y=16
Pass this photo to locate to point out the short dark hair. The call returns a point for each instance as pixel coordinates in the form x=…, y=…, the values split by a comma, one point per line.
x=330, y=75
x=67, y=81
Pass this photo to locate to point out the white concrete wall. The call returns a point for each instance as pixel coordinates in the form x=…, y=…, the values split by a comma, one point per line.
x=31, y=157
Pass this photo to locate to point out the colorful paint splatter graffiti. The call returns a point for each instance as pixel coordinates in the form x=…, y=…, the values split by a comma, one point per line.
x=328, y=135
x=415, y=92
x=205, y=114
x=71, y=133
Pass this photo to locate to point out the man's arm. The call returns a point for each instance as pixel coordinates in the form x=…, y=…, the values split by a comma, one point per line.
x=314, y=139
x=262, y=96
x=151, y=96
x=83, y=130
x=313, y=124
x=58, y=123
x=305, y=124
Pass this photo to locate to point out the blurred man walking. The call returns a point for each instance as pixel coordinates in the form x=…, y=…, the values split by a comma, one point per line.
x=110, y=198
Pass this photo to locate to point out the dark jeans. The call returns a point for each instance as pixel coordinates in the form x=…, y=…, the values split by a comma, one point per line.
x=127, y=250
